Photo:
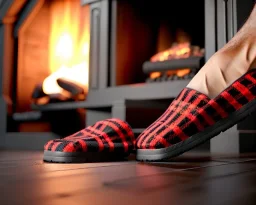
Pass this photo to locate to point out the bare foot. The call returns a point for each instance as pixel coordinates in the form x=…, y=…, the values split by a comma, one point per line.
x=229, y=63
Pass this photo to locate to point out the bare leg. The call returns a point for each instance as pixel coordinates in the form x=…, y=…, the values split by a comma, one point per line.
x=230, y=62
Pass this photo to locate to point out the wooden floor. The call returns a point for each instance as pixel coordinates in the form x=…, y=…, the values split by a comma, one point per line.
x=190, y=179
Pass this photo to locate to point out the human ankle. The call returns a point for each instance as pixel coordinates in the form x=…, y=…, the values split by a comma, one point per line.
x=223, y=68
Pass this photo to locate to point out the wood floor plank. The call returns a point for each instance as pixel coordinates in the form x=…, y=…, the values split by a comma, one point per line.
x=200, y=174
x=190, y=179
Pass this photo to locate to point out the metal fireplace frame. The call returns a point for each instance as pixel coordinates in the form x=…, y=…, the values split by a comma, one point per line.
x=104, y=99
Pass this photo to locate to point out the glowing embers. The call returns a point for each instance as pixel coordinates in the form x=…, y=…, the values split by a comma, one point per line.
x=178, y=51
x=178, y=74
x=181, y=61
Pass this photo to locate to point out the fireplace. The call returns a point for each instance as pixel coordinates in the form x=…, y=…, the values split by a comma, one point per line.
x=52, y=43
x=45, y=60
x=143, y=31
x=69, y=63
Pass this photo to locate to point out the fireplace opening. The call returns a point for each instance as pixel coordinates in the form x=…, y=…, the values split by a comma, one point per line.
x=53, y=54
x=51, y=65
x=52, y=43
x=149, y=34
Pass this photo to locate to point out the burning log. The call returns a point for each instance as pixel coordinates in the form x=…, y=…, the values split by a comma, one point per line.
x=41, y=98
x=52, y=98
x=74, y=92
x=38, y=92
x=180, y=61
x=178, y=51
x=171, y=75
x=191, y=62
x=58, y=97
x=71, y=87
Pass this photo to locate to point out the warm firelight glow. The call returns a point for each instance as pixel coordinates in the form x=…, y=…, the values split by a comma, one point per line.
x=179, y=73
x=183, y=72
x=181, y=50
x=68, y=45
x=64, y=46
x=177, y=51
x=155, y=75
x=77, y=73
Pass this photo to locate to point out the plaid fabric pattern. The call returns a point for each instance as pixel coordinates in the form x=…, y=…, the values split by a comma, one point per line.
x=191, y=112
x=111, y=135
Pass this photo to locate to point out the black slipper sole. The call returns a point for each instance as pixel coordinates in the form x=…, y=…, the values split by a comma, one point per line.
x=197, y=139
x=81, y=157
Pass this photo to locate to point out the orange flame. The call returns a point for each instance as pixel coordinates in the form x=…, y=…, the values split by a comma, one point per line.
x=177, y=51
x=69, y=45
x=155, y=75
x=181, y=50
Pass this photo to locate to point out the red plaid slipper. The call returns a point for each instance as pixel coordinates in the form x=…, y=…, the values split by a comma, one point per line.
x=193, y=118
x=106, y=140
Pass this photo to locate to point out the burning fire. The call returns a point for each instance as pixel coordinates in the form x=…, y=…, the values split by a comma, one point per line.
x=68, y=45
x=179, y=73
x=77, y=73
x=177, y=51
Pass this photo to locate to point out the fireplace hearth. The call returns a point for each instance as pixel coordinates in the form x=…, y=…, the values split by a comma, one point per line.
x=69, y=63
